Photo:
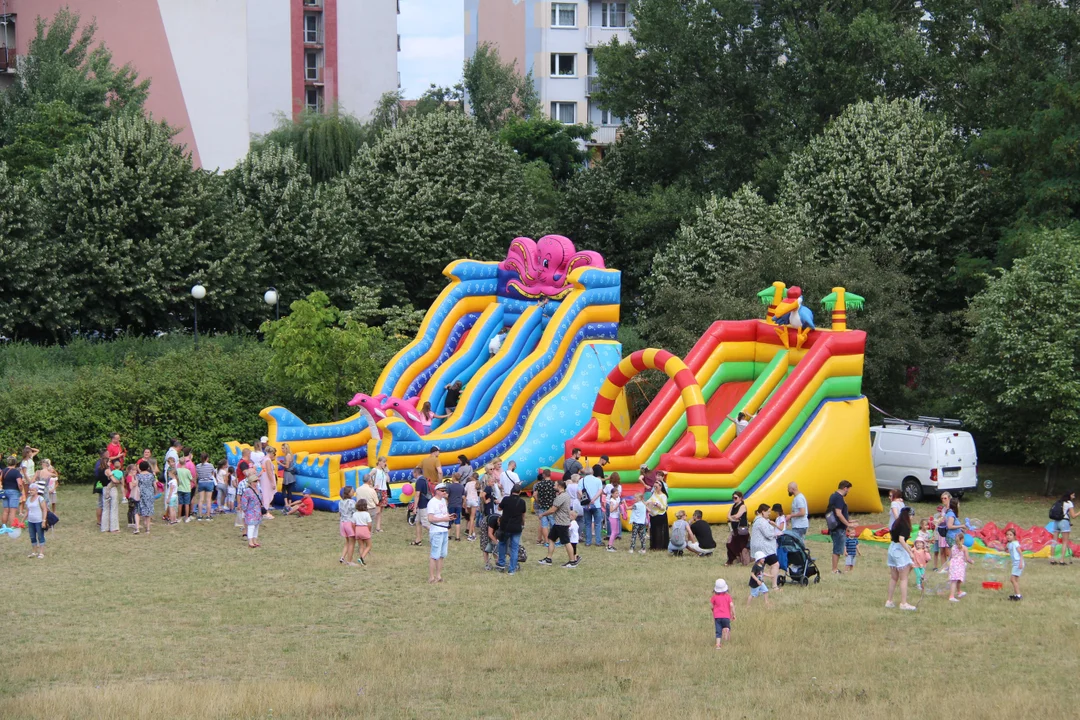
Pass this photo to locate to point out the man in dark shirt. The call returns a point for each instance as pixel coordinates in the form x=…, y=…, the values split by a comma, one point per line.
x=572, y=465
x=598, y=468
x=511, y=526
x=421, y=496
x=12, y=491
x=543, y=496
x=838, y=507
x=702, y=533
x=453, y=393
x=455, y=492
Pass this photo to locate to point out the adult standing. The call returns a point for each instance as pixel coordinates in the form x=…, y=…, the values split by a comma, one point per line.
x=739, y=539
x=702, y=531
x=243, y=464
x=288, y=472
x=896, y=504
x=205, y=485
x=455, y=501
x=11, y=481
x=439, y=519
x=268, y=480
x=258, y=452
x=900, y=559
x=509, y=477
x=560, y=530
x=367, y=492
x=101, y=471
x=1064, y=527
x=381, y=480
x=572, y=465
x=468, y=478
x=511, y=526
x=27, y=465
x=543, y=497
x=431, y=467
x=598, y=467
x=799, y=519
x=658, y=522
x=422, y=495
x=251, y=509
x=147, y=485
x=763, y=534
x=453, y=394
x=174, y=453
x=110, y=502
x=592, y=494
x=838, y=526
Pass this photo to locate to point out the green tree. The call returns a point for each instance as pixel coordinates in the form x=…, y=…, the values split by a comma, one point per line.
x=21, y=259
x=496, y=91
x=321, y=354
x=891, y=176
x=1022, y=371
x=65, y=87
x=436, y=189
x=326, y=143
x=121, y=209
x=556, y=144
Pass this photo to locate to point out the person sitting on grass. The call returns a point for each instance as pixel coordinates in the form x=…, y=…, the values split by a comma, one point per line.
x=302, y=507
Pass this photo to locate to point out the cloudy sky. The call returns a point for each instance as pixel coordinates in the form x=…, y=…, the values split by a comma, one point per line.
x=432, y=44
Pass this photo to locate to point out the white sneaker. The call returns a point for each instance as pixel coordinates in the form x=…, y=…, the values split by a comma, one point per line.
x=641, y=551
x=631, y=551
x=187, y=519
x=889, y=605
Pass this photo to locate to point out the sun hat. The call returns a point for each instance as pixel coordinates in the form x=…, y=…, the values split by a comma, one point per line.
x=264, y=439
x=720, y=586
x=759, y=555
x=441, y=486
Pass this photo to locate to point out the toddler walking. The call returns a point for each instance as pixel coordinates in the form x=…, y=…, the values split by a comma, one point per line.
x=851, y=544
x=958, y=562
x=1017, y=563
x=723, y=611
x=920, y=557
x=757, y=579
x=638, y=516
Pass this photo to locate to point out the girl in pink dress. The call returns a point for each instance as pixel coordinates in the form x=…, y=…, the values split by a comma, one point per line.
x=958, y=562
x=268, y=480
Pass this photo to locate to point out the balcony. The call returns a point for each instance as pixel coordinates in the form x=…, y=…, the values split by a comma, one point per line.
x=606, y=135
x=595, y=35
x=8, y=62
x=592, y=83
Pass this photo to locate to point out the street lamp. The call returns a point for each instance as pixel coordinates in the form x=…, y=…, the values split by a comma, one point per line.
x=198, y=292
x=270, y=297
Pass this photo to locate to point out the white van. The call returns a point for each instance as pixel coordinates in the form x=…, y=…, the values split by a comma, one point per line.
x=920, y=458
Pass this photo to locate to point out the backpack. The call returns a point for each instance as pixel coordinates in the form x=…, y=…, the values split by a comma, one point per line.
x=678, y=533
x=1056, y=511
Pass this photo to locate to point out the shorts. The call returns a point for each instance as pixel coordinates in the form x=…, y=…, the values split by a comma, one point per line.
x=839, y=536
x=347, y=529
x=100, y=500
x=185, y=498
x=421, y=517
x=362, y=532
x=771, y=560
x=759, y=590
x=11, y=499
x=440, y=543
x=173, y=502
x=472, y=503
x=559, y=533
x=456, y=511
x=1064, y=525
x=231, y=492
x=1017, y=571
x=849, y=560
x=721, y=625
x=548, y=521
x=205, y=487
x=898, y=557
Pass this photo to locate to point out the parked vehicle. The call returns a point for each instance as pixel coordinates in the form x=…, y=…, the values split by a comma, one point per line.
x=924, y=456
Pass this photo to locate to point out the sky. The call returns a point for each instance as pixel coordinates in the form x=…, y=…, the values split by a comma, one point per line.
x=432, y=44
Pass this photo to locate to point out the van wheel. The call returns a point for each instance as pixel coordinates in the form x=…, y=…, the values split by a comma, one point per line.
x=912, y=490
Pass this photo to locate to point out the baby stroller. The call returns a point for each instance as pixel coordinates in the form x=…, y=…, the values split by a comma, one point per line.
x=795, y=560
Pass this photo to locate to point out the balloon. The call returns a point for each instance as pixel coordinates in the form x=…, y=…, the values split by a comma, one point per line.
x=407, y=489
x=969, y=540
x=14, y=533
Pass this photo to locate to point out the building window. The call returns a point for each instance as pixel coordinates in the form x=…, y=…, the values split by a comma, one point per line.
x=564, y=112
x=563, y=14
x=563, y=65
x=313, y=99
x=613, y=14
x=311, y=29
x=312, y=66
x=313, y=3
x=606, y=118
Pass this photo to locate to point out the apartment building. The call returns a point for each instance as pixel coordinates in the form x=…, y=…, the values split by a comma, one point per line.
x=222, y=70
x=554, y=40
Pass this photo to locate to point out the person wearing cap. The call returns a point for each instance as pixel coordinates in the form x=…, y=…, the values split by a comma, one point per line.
x=598, y=468
x=439, y=519
x=758, y=586
x=110, y=502
x=302, y=507
x=511, y=526
x=838, y=509
x=723, y=611
x=430, y=466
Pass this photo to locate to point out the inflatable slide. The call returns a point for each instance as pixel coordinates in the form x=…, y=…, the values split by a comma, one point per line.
x=525, y=343
x=801, y=386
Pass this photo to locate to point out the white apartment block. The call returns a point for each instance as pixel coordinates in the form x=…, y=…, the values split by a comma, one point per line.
x=554, y=40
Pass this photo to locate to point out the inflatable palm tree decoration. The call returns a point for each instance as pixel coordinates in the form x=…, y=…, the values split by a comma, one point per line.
x=838, y=302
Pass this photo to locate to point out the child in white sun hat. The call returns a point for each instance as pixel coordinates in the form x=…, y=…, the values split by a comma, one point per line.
x=723, y=611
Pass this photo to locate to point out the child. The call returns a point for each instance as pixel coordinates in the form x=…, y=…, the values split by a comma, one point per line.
x=757, y=579
x=958, y=562
x=574, y=534
x=1017, y=563
x=921, y=556
x=362, y=528
x=613, y=507
x=37, y=520
x=346, y=508
x=781, y=520
x=221, y=485
x=251, y=508
x=723, y=611
x=172, y=499
x=483, y=526
x=638, y=515
x=131, y=486
x=926, y=532
x=852, y=546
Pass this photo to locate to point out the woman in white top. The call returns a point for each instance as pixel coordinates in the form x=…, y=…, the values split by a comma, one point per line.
x=27, y=464
x=1064, y=527
x=46, y=479
x=896, y=505
x=763, y=534
x=380, y=476
x=268, y=480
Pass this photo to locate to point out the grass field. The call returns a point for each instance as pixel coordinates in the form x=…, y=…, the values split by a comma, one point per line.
x=189, y=623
